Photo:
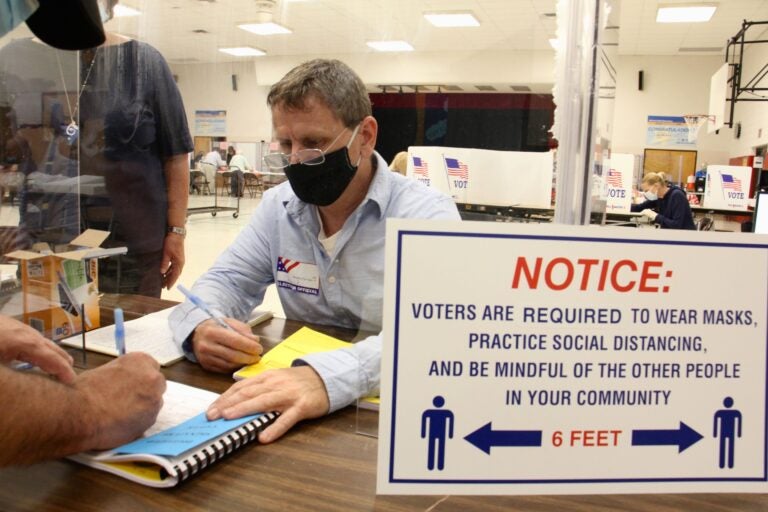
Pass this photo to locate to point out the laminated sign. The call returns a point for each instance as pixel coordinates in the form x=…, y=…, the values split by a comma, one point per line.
x=542, y=359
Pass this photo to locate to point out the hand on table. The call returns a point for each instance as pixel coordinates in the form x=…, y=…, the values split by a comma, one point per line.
x=221, y=350
x=297, y=393
x=650, y=214
x=21, y=342
x=121, y=398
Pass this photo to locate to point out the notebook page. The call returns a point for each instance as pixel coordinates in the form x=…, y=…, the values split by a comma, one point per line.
x=149, y=334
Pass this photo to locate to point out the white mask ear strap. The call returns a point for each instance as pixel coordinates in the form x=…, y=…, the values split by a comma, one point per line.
x=354, y=134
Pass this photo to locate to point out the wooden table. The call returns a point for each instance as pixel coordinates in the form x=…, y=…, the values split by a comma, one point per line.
x=319, y=465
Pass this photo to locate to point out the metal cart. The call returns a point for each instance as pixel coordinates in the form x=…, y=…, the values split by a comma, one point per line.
x=215, y=208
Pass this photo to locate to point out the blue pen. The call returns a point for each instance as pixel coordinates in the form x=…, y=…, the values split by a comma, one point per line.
x=119, y=332
x=201, y=305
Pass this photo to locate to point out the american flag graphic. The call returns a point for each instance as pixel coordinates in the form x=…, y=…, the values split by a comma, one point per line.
x=731, y=183
x=614, y=178
x=286, y=265
x=457, y=168
x=420, y=167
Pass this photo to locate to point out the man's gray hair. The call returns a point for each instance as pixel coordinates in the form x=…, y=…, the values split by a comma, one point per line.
x=330, y=81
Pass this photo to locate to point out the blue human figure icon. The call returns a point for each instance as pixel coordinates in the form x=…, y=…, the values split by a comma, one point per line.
x=437, y=423
x=728, y=428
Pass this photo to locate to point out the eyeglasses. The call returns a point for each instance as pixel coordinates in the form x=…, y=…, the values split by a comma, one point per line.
x=309, y=156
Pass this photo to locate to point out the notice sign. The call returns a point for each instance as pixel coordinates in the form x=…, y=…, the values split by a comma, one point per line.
x=540, y=359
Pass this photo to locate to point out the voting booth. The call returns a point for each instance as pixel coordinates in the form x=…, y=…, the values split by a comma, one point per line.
x=478, y=176
x=727, y=187
x=617, y=183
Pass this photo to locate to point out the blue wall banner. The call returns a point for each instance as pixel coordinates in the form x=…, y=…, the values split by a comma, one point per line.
x=211, y=123
x=578, y=361
x=668, y=131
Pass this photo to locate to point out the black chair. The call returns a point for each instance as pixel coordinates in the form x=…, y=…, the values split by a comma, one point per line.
x=199, y=182
x=226, y=182
x=236, y=181
x=253, y=184
x=705, y=224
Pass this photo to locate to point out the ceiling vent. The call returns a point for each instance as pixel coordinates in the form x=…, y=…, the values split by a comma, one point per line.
x=520, y=88
x=264, y=10
x=485, y=88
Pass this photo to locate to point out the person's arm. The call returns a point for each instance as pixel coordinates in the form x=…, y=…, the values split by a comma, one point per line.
x=645, y=205
x=675, y=213
x=176, y=170
x=234, y=285
x=220, y=162
x=104, y=408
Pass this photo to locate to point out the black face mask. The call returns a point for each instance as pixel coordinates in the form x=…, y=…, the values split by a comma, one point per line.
x=322, y=184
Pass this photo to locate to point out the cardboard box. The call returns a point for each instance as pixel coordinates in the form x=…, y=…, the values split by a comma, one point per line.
x=59, y=288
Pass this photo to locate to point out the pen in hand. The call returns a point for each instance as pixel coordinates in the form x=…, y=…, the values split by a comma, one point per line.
x=202, y=306
x=119, y=332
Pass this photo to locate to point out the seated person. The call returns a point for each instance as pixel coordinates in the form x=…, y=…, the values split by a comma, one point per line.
x=666, y=205
x=320, y=238
x=46, y=418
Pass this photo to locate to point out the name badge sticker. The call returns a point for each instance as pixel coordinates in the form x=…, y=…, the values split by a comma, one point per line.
x=298, y=276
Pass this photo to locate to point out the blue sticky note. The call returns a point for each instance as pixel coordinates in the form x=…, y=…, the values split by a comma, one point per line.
x=184, y=436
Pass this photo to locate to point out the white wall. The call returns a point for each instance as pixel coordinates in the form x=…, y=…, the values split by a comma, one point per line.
x=209, y=87
x=672, y=86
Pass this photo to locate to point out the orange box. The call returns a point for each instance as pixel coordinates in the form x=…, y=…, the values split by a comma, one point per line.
x=58, y=289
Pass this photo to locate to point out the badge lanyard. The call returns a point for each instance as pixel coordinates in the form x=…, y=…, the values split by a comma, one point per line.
x=73, y=130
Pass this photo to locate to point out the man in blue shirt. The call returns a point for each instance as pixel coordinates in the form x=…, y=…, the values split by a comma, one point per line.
x=320, y=239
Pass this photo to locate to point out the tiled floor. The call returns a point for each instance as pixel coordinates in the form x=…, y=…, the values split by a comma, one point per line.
x=207, y=236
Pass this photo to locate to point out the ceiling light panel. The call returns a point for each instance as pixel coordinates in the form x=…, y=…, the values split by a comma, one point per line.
x=265, y=29
x=243, y=51
x=687, y=13
x=123, y=11
x=452, y=19
x=390, y=46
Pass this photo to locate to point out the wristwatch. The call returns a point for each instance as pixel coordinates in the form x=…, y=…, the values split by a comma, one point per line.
x=176, y=230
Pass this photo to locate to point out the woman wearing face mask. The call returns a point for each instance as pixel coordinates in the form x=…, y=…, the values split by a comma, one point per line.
x=665, y=204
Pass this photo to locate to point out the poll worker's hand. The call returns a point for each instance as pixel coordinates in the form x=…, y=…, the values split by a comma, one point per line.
x=297, y=393
x=221, y=350
x=19, y=341
x=121, y=399
x=173, y=259
x=650, y=214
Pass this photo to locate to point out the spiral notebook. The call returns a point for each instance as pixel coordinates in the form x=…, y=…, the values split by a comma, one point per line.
x=181, y=443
